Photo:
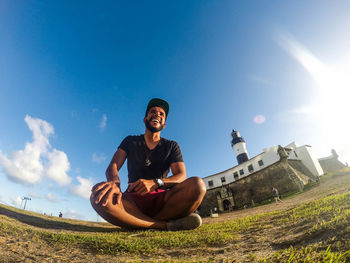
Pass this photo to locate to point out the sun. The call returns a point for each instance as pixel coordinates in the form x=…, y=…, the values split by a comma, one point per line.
x=331, y=102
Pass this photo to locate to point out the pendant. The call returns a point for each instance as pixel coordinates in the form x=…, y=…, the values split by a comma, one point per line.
x=148, y=162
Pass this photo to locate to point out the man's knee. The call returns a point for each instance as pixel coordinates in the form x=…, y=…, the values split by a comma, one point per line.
x=197, y=186
x=99, y=208
x=95, y=205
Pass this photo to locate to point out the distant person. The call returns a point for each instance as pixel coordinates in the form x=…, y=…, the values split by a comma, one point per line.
x=60, y=214
x=317, y=179
x=275, y=195
x=152, y=200
x=230, y=207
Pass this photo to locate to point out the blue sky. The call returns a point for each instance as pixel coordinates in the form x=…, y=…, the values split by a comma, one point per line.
x=76, y=76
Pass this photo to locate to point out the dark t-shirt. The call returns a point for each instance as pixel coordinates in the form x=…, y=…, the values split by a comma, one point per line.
x=161, y=157
x=274, y=192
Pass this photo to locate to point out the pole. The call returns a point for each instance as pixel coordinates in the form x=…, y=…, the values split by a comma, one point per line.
x=25, y=202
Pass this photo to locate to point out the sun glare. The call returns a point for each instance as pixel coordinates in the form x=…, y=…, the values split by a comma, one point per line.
x=330, y=104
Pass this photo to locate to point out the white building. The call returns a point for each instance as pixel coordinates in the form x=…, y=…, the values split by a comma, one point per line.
x=269, y=156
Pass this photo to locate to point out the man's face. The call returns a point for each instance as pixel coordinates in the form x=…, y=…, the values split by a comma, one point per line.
x=155, y=119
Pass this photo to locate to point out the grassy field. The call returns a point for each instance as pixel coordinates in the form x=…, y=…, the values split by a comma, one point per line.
x=313, y=226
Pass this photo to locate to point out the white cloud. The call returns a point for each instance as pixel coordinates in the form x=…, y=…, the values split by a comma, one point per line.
x=259, y=119
x=41, y=132
x=24, y=166
x=72, y=214
x=98, y=158
x=51, y=197
x=34, y=195
x=27, y=166
x=58, y=167
x=103, y=122
x=16, y=201
x=83, y=189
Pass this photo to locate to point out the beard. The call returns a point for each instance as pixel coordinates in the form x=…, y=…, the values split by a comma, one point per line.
x=151, y=128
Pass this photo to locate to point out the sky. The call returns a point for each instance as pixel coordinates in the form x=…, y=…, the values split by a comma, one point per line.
x=76, y=76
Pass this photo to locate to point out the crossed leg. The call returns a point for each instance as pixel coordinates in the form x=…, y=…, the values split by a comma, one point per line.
x=181, y=200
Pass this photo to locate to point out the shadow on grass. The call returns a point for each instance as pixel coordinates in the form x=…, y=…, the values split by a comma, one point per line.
x=41, y=222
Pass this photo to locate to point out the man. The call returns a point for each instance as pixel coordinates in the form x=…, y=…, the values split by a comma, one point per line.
x=276, y=195
x=152, y=200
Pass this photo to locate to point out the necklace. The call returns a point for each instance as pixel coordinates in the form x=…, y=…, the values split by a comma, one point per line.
x=148, y=155
x=148, y=162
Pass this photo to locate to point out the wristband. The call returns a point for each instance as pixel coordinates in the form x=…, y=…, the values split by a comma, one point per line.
x=159, y=182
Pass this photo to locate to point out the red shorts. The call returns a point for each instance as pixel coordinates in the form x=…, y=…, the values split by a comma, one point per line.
x=149, y=204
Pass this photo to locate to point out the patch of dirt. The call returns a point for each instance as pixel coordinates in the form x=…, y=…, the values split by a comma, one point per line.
x=254, y=242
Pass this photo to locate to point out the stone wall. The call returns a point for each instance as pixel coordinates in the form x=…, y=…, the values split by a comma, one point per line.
x=303, y=172
x=256, y=187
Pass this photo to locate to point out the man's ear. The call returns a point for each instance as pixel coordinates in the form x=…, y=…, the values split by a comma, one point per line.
x=144, y=120
x=164, y=125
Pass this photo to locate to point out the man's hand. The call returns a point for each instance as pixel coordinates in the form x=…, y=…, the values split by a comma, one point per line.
x=142, y=186
x=104, y=192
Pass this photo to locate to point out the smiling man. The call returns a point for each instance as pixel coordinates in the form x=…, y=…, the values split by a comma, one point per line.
x=152, y=200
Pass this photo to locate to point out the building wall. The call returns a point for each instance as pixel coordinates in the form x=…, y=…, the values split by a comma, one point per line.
x=303, y=172
x=309, y=160
x=331, y=164
x=257, y=186
x=268, y=157
x=286, y=168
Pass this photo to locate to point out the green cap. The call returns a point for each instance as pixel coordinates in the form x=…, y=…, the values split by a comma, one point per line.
x=155, y=102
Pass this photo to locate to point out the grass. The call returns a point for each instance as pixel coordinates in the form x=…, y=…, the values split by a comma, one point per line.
x=318, y=231
x=327, y=214
x=309, y=255
x=141, y=242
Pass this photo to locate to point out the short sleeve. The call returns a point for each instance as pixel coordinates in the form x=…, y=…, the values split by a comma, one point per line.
x=175, y=155
x=124, y=144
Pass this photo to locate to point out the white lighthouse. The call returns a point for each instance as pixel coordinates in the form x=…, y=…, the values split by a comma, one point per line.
x=239, y=147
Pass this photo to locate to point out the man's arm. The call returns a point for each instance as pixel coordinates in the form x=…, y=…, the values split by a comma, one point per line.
x=112, y=172
x=104, y=191
x=178, y=170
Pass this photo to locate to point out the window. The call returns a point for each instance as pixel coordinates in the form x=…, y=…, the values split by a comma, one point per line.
x=250, y=168
x=261, y=163
x=241, y=172
x=210, y=183
x=235, y=175
x=223, y=179
x=295, y=154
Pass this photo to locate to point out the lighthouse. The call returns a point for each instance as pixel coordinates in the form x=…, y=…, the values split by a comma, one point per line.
x=239, y=147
